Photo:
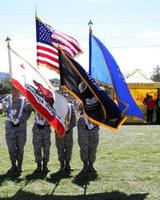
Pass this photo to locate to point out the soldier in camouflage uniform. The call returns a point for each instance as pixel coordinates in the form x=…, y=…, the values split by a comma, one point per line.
x=88, y=139
x=65, y=144
x=18, y=112
x=41, y=142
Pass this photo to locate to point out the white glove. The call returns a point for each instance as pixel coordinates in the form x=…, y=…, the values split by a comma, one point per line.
x=41, y=122
x=16, y=121
x=66, y=128
x=11, y=117
x=13, y=112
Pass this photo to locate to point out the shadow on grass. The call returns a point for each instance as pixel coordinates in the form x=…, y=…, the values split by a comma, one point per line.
x=56, y=177
x=16, y=177
x=115, y=195
x=83, y=179
x=10, y=177
x=35, y=176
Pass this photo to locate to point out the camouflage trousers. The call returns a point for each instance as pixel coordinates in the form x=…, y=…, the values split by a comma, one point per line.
x=64, y=146
x=41, y=143
x=15, y=139
x=88, y=141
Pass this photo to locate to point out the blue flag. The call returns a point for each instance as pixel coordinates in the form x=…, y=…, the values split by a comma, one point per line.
x=103, y=67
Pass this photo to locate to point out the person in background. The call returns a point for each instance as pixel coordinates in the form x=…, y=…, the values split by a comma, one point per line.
x=1, y=106
x=6, y=104
x=18, y=112
x=88, y=140
x=150, y=104
x=65, y=144
x=157, y=105
x=41, y=143
x=145, y=99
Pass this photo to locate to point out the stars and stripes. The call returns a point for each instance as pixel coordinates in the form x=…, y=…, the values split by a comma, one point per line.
x=48, y=42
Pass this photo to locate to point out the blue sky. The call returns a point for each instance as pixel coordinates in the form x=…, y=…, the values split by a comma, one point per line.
x=129, y=29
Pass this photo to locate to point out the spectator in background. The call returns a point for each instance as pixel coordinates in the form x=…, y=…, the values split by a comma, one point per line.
x=145, y=99
x=1, y=106
x=6, y=101
x=157, y=104
x=150, y=104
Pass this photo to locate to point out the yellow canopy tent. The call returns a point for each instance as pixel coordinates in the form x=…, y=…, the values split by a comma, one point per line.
x=139, y=85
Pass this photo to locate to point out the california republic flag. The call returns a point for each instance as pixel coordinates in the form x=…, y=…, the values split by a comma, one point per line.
x=39, y=92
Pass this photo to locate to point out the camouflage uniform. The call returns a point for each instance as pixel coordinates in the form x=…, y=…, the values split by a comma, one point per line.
x=16, y=133
x=65, y=144
x=88, y=139
x=41, y=142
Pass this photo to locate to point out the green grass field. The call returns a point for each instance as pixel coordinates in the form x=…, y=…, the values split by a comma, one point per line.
x=128, y=168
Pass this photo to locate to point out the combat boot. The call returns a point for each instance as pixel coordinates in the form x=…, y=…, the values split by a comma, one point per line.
x=13, y=167
x=68, y=167
x=85, y=167
x=91, y=168
x=62, y=166
x=19, y=166
x=45, y=168
x=39, y=167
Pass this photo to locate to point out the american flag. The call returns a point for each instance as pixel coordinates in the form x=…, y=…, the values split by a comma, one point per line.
x=48, y=40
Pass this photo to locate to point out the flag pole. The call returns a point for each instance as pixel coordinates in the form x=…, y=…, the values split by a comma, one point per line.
x=10, y=68
x=9, y=57
x=90, y=23
x=37, y=66
x=35, y=10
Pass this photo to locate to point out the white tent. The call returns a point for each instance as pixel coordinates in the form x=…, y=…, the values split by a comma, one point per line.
x=137, y=77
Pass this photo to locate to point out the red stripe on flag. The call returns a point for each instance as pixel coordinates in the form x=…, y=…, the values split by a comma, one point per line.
x=55, y=52
x=48, y=57
x=45, y=63
x=68, y=40
x=66, y=48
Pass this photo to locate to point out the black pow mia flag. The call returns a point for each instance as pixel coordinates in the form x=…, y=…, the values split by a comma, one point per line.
x=98, y=106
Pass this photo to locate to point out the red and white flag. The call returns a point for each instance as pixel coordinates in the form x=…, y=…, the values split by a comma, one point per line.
x=48, y=40
x=39, y=92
